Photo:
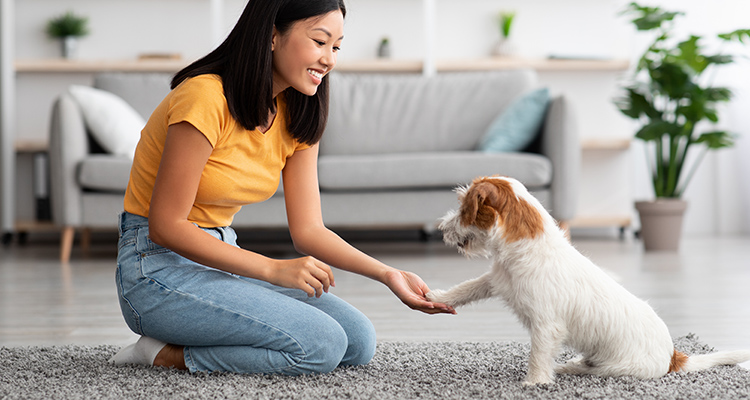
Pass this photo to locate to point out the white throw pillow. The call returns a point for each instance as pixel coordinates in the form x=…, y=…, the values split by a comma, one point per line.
x=115, y=125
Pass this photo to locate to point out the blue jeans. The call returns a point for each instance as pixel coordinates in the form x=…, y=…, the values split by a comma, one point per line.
x=231, y=323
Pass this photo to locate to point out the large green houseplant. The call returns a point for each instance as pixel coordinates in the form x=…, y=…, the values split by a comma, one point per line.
x=670, y=94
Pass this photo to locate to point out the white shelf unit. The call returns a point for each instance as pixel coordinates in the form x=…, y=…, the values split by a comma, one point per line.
x=7, y=119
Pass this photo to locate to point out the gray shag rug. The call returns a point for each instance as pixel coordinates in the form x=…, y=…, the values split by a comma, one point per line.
x=439, y=370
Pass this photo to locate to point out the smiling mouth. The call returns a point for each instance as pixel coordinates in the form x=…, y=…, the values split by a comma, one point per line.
x=315, y=73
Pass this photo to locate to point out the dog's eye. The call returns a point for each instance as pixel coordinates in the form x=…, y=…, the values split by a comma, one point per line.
x=464, y=242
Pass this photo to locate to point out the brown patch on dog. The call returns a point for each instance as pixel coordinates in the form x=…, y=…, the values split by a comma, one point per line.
x=678, y=361
x=489, y=200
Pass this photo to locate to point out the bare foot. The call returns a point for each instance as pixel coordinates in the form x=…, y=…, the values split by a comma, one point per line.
x=171, y=356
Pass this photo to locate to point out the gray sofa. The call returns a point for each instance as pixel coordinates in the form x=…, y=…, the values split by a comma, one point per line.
x=395, y=147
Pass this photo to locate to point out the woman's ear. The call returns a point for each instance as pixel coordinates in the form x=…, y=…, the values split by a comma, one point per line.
x=274, y=37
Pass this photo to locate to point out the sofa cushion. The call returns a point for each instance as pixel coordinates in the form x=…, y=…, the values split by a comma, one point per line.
x=411, y=113
x=143, y=91
x=518, y=125
x=429, y=170
x=102, y=172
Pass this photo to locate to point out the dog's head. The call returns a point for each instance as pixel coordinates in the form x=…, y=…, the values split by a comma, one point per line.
x=492, y=207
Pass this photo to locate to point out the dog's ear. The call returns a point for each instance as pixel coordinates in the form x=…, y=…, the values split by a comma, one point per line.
x=479, y=205
x=520, y=219
x=488, y=200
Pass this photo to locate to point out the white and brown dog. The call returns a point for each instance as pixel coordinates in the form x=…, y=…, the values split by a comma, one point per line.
x=559, y=295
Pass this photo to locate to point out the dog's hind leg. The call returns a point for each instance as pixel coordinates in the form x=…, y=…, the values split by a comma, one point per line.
x=464, y=293
x=575, y=366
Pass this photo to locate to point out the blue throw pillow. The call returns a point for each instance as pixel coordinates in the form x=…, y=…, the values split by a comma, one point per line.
x=518, y=125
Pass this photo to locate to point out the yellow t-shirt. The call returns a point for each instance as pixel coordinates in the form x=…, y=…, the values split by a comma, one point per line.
x=244, y=166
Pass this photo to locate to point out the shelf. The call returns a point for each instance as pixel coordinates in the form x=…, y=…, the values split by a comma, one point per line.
x=621, y=221
x=484, y=64
x=31, y=146
x=539, y=64
x=62, y=65
x=380, y=65
x=606, y=144
x=36, y=226
x=402, y=66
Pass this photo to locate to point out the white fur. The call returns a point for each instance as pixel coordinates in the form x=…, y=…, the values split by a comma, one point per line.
x=562, y=297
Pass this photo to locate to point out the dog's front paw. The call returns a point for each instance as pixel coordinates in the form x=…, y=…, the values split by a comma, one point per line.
x=536, y=382
x=437, y=296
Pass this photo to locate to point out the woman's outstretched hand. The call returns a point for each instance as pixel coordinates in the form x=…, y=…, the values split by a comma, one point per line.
x=410, y=288
x=306, y=273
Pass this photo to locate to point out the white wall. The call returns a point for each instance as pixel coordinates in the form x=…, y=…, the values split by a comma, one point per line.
x=122, y=29
x=467, y=29
x=125, y=28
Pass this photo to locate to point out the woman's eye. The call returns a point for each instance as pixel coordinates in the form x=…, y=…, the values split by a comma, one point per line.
x=319, y=42
x=336, y=48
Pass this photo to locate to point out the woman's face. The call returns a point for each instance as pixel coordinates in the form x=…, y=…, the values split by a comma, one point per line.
x=306, y=52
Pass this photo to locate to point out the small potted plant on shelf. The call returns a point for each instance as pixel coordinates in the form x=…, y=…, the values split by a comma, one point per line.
x=68, y=28
x=674, y=100
x=384, y=48
x=505, y=46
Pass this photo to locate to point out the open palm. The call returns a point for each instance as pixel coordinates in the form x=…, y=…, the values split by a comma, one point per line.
x=410, y=288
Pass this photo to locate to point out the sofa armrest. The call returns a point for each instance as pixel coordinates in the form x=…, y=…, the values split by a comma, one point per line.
x=68, y=145
x=560, y=143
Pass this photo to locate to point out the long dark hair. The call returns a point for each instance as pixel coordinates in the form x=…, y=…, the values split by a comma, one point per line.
x=244, y=62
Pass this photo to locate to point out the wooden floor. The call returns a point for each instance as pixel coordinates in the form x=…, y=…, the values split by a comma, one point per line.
x=703, y=289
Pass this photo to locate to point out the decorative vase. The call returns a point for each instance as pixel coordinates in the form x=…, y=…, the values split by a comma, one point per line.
x=661, y=223
x=504, y=48
x=69, y=47
x=384, y=49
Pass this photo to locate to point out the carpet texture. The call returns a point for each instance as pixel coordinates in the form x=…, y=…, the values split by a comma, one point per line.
x=441, y=370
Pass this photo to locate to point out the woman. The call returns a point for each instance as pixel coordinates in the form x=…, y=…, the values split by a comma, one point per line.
x=251, y=110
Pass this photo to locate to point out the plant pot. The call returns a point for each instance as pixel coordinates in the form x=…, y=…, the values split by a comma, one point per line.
x=69, y=47
x=661, y=223
x=384, y=50
x=504, y=48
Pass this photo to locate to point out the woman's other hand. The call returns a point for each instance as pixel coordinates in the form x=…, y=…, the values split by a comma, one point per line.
x=312, y=276
x=410, y=288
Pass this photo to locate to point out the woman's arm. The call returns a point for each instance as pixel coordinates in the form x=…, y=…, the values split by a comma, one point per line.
x=185, y=154
x=311, y=237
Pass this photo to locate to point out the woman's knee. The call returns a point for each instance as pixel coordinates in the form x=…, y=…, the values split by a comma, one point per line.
x=362, y=343
x=322, y=352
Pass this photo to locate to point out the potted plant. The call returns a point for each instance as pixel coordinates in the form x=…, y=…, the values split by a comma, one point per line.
x=673, y=98
x=384, y=49
x=504, y=46
x=68, y=28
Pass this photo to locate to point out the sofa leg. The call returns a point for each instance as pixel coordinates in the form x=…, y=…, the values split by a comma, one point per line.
x=66, y=243
x=86, y=241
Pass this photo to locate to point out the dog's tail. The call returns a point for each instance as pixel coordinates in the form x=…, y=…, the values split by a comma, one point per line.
x=698, y=362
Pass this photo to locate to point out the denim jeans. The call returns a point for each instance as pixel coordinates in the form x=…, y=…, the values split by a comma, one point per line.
x=231, y=323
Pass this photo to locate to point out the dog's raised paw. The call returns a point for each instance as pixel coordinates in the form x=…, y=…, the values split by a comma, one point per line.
x=436, y=296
